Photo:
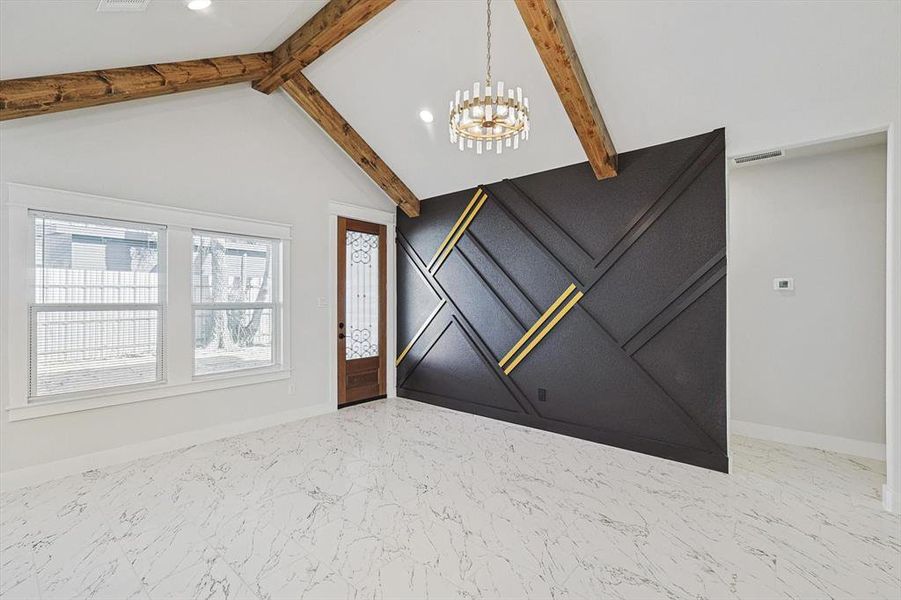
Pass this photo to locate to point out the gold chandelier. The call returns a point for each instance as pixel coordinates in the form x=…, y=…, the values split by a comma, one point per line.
x=490, y=119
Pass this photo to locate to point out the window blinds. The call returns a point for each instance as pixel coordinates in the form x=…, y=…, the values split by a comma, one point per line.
x=96, y=315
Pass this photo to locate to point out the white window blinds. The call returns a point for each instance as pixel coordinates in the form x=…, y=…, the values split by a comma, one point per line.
x=96, y=316
x=234, y=279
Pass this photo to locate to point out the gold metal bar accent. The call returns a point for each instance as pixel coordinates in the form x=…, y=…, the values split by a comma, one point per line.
x=544, y=332
x=420, y=332
x=453, y=229
x=461, y=231
x=537, y=324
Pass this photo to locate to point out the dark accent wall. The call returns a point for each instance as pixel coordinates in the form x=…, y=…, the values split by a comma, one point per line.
x=639, y=361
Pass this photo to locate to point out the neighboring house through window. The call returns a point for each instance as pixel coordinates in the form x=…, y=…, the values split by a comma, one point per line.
x=96, y=317
x=113, y=301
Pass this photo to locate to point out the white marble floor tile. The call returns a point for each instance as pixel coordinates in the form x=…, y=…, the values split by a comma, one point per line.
x=83, y=560
x=304, y=579
x=398, y=499
x=158, y=554
x=208, y=579
x=263, y=538
x=17, y=572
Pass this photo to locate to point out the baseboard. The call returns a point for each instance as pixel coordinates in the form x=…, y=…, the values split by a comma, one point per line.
x=97, y=460
x=809, y=439
x=891, y=500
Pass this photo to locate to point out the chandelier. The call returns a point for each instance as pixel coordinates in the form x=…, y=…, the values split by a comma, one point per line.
x=489, y=119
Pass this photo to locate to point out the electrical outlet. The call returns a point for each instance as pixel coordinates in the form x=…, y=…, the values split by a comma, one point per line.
x=784, y=284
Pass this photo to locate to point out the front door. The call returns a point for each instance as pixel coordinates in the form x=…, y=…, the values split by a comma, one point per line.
x=362, y=291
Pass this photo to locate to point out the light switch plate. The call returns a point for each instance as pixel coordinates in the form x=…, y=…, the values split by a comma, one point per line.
x=322, y=303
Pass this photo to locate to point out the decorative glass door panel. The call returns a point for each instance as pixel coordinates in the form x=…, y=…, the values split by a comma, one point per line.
x=361, y=302
x=362, y=278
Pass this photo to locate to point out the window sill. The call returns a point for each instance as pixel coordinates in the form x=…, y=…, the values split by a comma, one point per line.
x=48, y=408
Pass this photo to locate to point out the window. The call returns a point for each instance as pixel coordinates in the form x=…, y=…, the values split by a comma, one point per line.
x=96, y=318
x=235, y=318
x=113, y=301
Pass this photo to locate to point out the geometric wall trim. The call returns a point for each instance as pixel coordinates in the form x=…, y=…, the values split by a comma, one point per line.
x=590, y=308
x=527, y=336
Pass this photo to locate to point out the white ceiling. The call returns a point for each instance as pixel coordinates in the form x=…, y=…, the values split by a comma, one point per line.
x=41, y=37
x=772, y=73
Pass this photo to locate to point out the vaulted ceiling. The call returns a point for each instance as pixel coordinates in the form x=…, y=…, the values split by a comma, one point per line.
x=772, y=73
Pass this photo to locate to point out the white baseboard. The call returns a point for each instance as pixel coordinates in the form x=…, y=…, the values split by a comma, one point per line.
x=891, y=500
x=809, y=439
x=97, y=460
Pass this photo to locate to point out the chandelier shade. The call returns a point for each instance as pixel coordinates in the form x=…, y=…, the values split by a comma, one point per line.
x=489, y=119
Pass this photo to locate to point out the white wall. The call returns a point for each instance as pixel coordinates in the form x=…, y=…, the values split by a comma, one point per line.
x=230, y=150
x=813, y=359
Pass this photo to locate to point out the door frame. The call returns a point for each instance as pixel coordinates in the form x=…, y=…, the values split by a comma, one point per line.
x=346, y=367
x=379, y=217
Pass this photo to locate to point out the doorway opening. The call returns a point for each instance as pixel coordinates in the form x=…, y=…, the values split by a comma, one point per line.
x=807, y=297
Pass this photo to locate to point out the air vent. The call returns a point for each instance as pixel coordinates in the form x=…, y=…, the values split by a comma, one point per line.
x=740, y=160
x=122, y=5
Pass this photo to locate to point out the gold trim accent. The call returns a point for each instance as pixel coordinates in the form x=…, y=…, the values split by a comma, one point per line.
x=544, y=332
x=453, y=229
x=537, y=324
x=422, y=329
x=461, y=231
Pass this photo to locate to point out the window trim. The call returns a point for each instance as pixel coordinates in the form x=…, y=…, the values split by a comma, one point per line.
x=179, y=223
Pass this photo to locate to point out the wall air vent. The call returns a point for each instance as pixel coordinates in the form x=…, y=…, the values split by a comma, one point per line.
x=740, y=160
x=122, y=5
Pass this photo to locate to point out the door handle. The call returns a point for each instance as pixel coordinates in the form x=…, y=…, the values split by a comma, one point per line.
x=340, y=336
x=340, y=325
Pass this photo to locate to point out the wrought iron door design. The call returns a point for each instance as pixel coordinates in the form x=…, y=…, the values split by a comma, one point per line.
x=362, y=295
x=591, y=308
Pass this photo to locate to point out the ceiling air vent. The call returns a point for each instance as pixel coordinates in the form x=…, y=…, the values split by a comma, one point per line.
x=122, y=5
x=740, y=160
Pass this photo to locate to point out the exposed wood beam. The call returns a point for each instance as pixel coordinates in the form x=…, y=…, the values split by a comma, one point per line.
x=334, y=22
x=308, y=97
x=548, y=30
x=55, y=93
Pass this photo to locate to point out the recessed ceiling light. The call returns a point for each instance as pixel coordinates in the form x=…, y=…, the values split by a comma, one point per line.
x=426, y=116
x=199, y=4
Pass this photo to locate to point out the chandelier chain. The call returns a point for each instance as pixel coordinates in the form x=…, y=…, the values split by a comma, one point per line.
x=488, y=56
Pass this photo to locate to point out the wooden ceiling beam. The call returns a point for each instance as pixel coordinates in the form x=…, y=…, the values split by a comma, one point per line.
x=334, y=22
x=308, y=97
x=551, y=37
x=55, y=93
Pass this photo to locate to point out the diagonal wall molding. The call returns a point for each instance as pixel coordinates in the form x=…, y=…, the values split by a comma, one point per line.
x=599, y=362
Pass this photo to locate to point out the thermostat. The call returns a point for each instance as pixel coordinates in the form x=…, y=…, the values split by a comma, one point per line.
x=783, y=284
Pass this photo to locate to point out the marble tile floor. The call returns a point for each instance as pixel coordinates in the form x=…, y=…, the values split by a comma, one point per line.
x=397, y=499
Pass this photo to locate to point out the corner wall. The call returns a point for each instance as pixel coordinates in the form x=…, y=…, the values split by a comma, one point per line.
x=232, y=151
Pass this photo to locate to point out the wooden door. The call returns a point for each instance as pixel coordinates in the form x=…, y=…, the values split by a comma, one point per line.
x=362, y=302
